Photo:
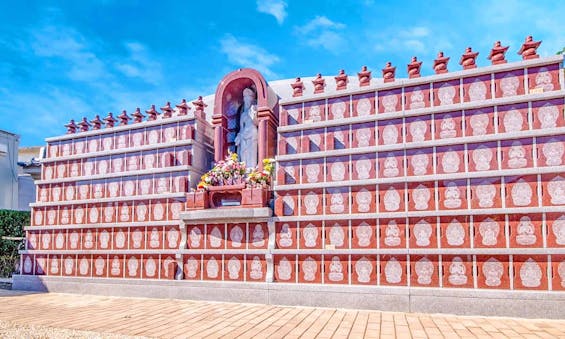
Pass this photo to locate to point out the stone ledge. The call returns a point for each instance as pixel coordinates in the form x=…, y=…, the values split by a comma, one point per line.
x=230, y=214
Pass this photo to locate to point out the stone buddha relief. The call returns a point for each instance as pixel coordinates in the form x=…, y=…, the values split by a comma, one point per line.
x=364, y=107
x=60, y=240
x=530, y=273
x=73, y=239
x=338, y=109
x=424, y=271
x=489, y=230
x=340, y=139
x=525, y=232
x=117, y=164
x=70, y=192
x=69, y=264
x=363, y=168
x=48, y=173
x=517, y=155
x=310, y=233
x=547, y=115
x=419, y=163
x=285, y=236
x=315, y=113
x=293, y=113
x=195, y=236
x=390, y=102
x=363, y=199
x=137, y=238
x=93, y=215
x=556, y=190
x=158, y=211
x=417, y=99
x=364, y=234
x=337, y=202
x=553, y=151
x=493, y=270
x=337, y=171
x=104, y=239
x=452, y=196
x=154, y=238
x=212, y=268
x=51, y=215
x=422, y=233
x=421, y=195
x=312, y=172
x=477, y=91
x=337, y=235
x=446, y=94
x=56, y=193
x=65, y=216
x=455, y=233
x=393, y=271
x=482, y=156
x=172, y=237
x=98, y=191
x=46, y=240
x=544, y=79
x=236, y=236
x=391, y=166
x=191, y=267
x=558, y=229
x=309, y=269
x=391, y=199
x=141, y=211
x=315, y=142
x=99, y=265
x=88, y=240
x=150, y=267
x=418, y=129
x=115, y=266
x=509, y=85
x=234, y=266
x=390, y=134
x=256, y=271
x=284, y=269
x=450, y=161
x=392, y=234
x=363, y=137
x=38, y=217
x=124, y=212
x=258, y=236
x=311, y=202
x=513, y=121
x=102, y=166
x=521, y=193
x=457, y=272
x=39, y=265
x=479, y=123
x=363, y=269
x=120, y=239
x=336, y=270
x=216, y=237
x=28, y=265
x=292, y=145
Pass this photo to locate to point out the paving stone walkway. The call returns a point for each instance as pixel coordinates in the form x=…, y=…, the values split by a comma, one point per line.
x=102, y=316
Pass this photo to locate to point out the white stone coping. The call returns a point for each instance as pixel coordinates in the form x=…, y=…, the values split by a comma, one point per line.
x=115, y=199
x=428, y=79
x=170, y=169
x=103, y=225
x=547, y=132
x=558, y=170
x=223, y=214
x=132, y=126
x=402, y=214
x=124, y=150
x=100, y=252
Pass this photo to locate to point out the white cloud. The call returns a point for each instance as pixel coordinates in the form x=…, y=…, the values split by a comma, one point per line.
x=322, y=32
x=417, y=39
x=139, y=64
x=248, y=55
x=276, y=8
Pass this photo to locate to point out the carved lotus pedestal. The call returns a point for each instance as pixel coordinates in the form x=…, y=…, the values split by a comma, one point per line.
x=197, y=200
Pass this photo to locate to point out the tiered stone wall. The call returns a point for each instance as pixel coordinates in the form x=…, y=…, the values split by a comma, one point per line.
x=108, y=201
x=453, y=180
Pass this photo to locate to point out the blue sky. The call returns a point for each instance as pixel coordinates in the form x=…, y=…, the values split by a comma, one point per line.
x=69, y=59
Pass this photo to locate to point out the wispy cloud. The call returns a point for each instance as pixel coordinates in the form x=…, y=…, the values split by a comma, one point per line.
x=322, y=32
x=276, y=8
x=139, y=64
x=417, y=39
x=244, y=54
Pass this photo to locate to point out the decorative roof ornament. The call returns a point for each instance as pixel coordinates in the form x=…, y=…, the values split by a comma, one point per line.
x=183, y=107
x=440, y=63
x=364, y=77
x=389, y=72
x=152, y=113
x=137, y=115
x=528, y=49
x=71, y=127
x=497, y=53
x=319, y=84
x=167, y=110
x=414, y=68
x=468, y=59
x=341, y=80
x=297, y=87
x=110, y=120
x=96, y=122
x=84, y=125
x=124, y=118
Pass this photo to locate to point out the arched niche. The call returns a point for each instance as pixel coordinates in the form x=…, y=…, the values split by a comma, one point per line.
x=228, y=98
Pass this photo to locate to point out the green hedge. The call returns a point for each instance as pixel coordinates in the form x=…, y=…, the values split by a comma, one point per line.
x=11, y=225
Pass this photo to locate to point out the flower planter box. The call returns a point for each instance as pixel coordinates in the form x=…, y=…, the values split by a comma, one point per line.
x=197, y=200
x=255, y=197
x=225, y=195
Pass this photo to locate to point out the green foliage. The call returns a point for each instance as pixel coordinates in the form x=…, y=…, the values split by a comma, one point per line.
x=11, y=225
x=561, y=51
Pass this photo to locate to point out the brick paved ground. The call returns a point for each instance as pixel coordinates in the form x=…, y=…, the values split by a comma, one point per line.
x=199, y=319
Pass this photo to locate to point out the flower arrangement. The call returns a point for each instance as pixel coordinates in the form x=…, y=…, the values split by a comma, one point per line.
x=231, y=172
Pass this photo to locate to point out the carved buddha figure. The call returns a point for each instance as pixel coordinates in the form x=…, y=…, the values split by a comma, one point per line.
x=447, y=127
x=363, y=269
x=521, y=193
x=258, y=236
x=482, y=156
x=418, y=129
x=363, y=199
x=530, y=273
x=309, y=269
x=364, y=106
x=392, y=234
x=390, y=134
x=391, y=166
x=392, y=199
x=285, y=236
x=446, y=94
x=457, y=272
x=337, y=236
x=419, y=162
x=544, y=79
x=486, y=193
x=517, y=155
x=215, y=237
x=137, y=237
x=234, y=266
x=556, y=190
x=509, y=85
x=60, y=240
x=124, y=212
x=154, y=241
x=417, y=99
x=424, y=270
x=422, y=232
x=338, y=109
x=73, y=239
x=389, y=102
x=337, y=171
x=256, y=269
x=120, y=239
x=191, y=267
x=311, y=202
x=450, y=161
x=479, y=123
x=526, y=233
x=452, y=196
x=513, y=121
x=548, y=115
x=212, y=268
x=115, y=269
x=150, y=267
x=421, y=195
x=337, y=203
x=236, y=236
x=455, y=233
x=477, y=90
x=364, y=234
x=363, y=167
x=89, y=239
x=54, y=265
x=310, y=234
x=363, y=136
x=393, y=271
x=336, y=270
x=489, y=230
x=99, y=265
x=284, y=269
x=104, y=239
x=69, y=264
x=172, y=237
x=553, y=152
x=558, y=229
x=493, y=270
